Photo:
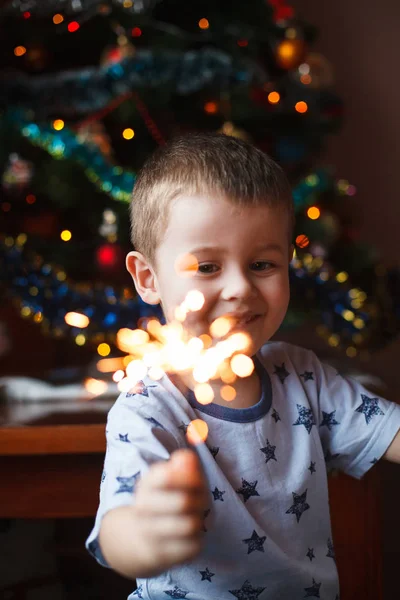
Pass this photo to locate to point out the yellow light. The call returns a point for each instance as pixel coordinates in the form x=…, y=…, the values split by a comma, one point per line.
x=38, y=318
x=108, y=365
x=65, y=235
x=220, y=327
x=358, y=323
x=25, y=311
x=204, y=24
x=80, y=339
x=118, y=375
x=103, y=349
x=57, y=19
x=197, y=431
x=21, y=239
x=127, y=4
x=351, y=351
x=204, y=393
x=333, y=340
x=242, y=365
x=61, y=276
x=290, y=33
x=95, y=386
x=342, y=277
x=19, y=50
x=58, y=124
x=206, y=339
x=274, y=97
x=228, y=393
x=128, y=133
x=348, y=315
x=33, y=291
x=313, y=213
x=301, y=107
x=194, y=300
x=75, y=319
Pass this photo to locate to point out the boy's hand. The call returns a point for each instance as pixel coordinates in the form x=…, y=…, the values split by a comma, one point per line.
x=170, y=501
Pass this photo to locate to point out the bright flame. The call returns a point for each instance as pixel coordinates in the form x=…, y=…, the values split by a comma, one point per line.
x=242, y=365
x=95, y=386
x=204, y=393
x=108, y=365
x=194, y=300
x=197, y=431
x=75, y=319
x=228, y=393
x=221, y=327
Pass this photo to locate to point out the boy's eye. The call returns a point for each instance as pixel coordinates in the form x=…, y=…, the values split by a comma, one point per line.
x=208, y=268
x=261, y=265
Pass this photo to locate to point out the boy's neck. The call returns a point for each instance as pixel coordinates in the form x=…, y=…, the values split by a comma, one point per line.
x=248, y=389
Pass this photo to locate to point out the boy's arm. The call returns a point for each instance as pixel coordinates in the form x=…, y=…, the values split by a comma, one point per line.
x=393, y=452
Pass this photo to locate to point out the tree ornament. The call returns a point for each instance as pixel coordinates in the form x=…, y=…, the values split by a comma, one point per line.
x=95, y=133
x=316, y=71
x=18, y=173
x=289, y=53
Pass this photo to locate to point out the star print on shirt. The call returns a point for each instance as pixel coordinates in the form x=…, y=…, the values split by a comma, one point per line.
x=369, y=408
x=307, y=376
x=310, y=554
x=275, y=416
x=183, y=427
x=206, y=575
x=330, y=457
x=138, y=592
x=176, y=592
x=281, y=372
x=103, y=476
x=139, y=389
x=248, y=489
x=329, y=420
x=217, y=494
x=155, y=422
x=255, y=542
x=124, y=438
x=331, y=550
x=299, y=505
x=313, y=592
x=312, y=468
x=214, y=450
x=126, y=484
x=269, y=452
x=247, y=592
x=374, y=461
x=306, y=417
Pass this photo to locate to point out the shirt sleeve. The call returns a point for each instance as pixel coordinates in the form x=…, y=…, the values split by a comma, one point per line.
x=356, y=426
x=134, y=440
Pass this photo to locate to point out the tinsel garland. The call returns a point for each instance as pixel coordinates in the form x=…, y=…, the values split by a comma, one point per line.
x=80, y=91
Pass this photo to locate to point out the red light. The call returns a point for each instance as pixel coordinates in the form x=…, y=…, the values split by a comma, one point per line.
x=136, y=32
x=243, y=43
x=26, y=15
x=107, y=255
x=73, y=26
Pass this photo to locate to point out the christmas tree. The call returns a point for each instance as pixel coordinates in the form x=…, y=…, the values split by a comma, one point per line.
x=89, y=88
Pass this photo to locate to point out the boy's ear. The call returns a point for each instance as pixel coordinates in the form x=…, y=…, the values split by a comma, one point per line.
x=143, y=277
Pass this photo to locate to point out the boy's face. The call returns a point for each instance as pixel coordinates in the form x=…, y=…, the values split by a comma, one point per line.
x=242, y=257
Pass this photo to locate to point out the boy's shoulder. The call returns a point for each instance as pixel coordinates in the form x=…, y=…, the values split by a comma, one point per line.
x=280, y=351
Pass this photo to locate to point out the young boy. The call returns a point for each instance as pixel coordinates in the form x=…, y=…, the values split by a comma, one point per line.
x=245, y=515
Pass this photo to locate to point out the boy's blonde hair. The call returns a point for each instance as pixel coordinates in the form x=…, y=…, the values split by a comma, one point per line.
x=200, y=164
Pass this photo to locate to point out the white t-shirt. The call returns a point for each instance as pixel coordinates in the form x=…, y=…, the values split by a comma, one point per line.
x=267, y=528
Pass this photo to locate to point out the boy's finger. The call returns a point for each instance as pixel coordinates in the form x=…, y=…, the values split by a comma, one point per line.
x=183, y=470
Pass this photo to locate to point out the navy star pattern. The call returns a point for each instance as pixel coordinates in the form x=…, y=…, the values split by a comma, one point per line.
x=218, y=494
x=155, y=422
x=103, y=476
x=329, y=420
x=139, y=389
x=255, y=542
x=374, y=461
x=126, y=484
x=313, y=592
x=247, y=592
x=206, y=575
x=330, y=457
x=124, y=438
x=369, y=408
x=307, y=376
x=299, y=505
x=214, y=451
x=177, y=592
x=138, y=591
x=281, y=372
x=312, y=468
x=331, y=550
x=310, y=554
x=306, y=417
x=269, y=452
x=247, y=490
x=275, y=416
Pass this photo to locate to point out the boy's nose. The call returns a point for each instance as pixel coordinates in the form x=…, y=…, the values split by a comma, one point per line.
x=237, y=286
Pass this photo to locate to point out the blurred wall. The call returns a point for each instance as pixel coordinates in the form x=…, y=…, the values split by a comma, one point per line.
x=361, y=40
